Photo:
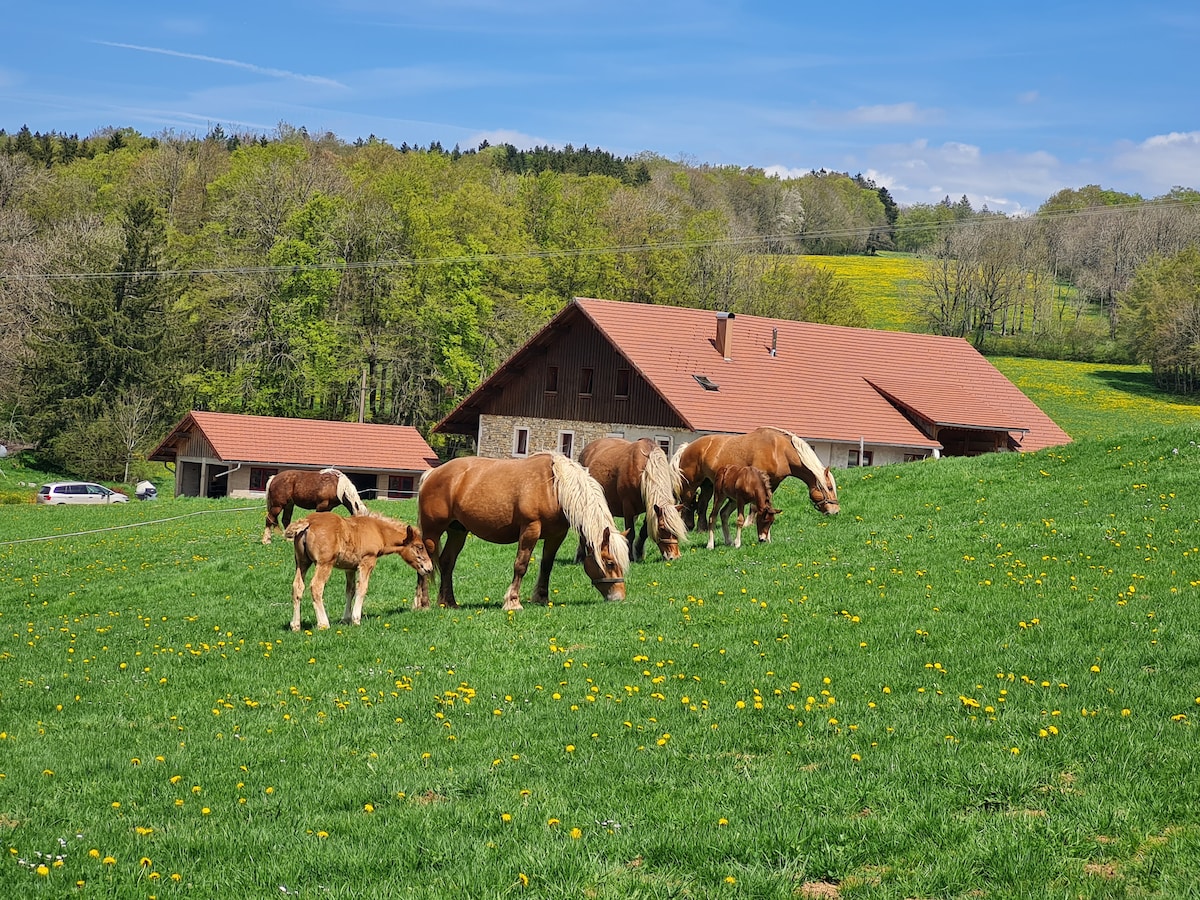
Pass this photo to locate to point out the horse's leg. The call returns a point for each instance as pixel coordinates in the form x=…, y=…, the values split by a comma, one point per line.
x=741, y=522
x=712, y=524
x=703, y=496
x=358, y=578
x=639, y=546
x=455, y=538
x=541, y=591
x=526, y=543
x=726, y=509
x=287, y=514
x=421, y=595
x=271, y=520
x=318, y=592
x=298, y=594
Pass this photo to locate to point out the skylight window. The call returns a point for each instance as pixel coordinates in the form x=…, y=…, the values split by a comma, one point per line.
x=705, y=382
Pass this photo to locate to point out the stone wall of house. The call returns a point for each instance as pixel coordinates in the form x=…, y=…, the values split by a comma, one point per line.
x=497, y=435
x=497, y=439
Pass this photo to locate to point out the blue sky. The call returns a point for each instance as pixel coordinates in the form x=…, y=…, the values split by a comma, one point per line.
x=1004, y=102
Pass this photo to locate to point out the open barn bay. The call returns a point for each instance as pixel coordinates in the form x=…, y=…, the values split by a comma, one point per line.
x=981, y=679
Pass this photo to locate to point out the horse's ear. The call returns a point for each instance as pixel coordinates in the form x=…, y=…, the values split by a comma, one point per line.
x=410, y=535
x=606, y=539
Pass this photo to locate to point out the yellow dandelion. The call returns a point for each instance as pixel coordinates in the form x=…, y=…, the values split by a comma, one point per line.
x=144, y=862
x=576, y=834
x=205, y=811
x=94, y=853
x=42, y=871
x=368, y=808
x=322, y=834
x=722, y=822
x=729, y=879
x=108, y=861
x=523, y=879
x=570, y=748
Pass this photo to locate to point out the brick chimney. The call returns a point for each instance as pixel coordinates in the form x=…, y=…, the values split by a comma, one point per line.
x=725, y=334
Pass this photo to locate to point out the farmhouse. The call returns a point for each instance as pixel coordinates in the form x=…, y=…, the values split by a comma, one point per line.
x=222, y=454
x=858, y=396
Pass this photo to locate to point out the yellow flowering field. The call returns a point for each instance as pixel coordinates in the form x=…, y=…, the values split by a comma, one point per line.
x=887, y=286
x=978, y=680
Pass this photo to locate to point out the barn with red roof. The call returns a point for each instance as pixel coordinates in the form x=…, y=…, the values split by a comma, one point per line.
x=858, y=396
x=225, y=454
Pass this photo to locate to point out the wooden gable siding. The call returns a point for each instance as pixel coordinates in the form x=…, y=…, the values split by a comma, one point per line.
x=198, y=447
x=577, y=348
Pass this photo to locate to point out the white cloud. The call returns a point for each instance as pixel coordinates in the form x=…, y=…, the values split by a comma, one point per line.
x=784, y=172
x=1028, y=97
x=499, y=136
x=1163, y=160
x=890, y=114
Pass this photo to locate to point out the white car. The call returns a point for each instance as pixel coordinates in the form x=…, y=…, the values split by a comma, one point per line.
x=58, y=492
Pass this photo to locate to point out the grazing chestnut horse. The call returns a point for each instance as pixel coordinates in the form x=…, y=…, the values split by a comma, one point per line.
x=321, y=491
x=637, y=478
x=777, y=452
x=518, y=501
x=735, y=488
x=353, y=544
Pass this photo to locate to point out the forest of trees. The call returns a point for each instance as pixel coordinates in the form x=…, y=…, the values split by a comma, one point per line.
x=144, y=276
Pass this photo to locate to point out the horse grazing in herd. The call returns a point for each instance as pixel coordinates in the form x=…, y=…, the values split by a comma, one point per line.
x=637, y=478
x=307, y=489
x=737, y=487
x=354, y=544
x=521, y=501
x=777, y=452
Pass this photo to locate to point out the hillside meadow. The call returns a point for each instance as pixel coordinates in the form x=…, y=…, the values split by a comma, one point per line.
x=979, y=680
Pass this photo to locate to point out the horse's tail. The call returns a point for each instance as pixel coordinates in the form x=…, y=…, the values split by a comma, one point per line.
x=421, y=479
x=661, y=486
x=296, y=529
x=348, y=494
x=267, y=486
x=582, y=501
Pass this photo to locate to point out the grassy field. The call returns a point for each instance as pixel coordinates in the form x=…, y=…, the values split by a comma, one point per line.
x=979, y=680
x=887, y=285
x=1098, y=399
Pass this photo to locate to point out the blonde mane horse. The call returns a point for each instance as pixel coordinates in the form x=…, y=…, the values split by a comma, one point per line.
x=637, y=478
x=320, y=491
x=518, y=501
x=777, y=452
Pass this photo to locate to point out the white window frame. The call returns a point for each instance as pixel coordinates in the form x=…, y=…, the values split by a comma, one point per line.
x=662, y=439
x=518, y=430
x=564, y=436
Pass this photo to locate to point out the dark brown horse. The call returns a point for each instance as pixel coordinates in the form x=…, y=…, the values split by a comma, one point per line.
x=737, y=487
x=353, y=544
x=518, y=501
x=307, y=489
x=777, y=452
x=637, y=478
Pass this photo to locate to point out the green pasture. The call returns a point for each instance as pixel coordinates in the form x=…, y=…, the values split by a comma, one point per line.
x=1098, y=399
x=981, y=679
x=888, y=286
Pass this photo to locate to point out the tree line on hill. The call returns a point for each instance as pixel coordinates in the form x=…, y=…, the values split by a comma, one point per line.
x=301, y=275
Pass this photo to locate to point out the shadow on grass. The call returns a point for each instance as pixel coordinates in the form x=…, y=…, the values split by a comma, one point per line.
x=1141, y=384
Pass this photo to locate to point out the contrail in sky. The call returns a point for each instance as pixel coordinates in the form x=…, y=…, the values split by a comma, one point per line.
x=250, y=67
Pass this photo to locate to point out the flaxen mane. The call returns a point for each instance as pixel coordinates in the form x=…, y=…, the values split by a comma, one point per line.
x=661, y=485
x=582, y=501
x=809, y=457
x=346, y=491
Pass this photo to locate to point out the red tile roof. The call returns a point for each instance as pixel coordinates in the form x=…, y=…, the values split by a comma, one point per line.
x=824, y=382
x=303, y=442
